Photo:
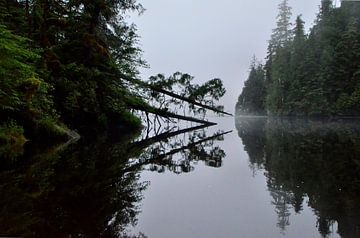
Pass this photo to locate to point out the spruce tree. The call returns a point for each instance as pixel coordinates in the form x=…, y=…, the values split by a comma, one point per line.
x=282, y=33
x=252, y=99
x=315, y=74
x=297, y=67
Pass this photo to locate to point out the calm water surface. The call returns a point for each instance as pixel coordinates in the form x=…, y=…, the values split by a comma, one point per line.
x=245, y=177
x=278, y=179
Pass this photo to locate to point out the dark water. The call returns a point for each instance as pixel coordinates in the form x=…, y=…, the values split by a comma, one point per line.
x=266, y=178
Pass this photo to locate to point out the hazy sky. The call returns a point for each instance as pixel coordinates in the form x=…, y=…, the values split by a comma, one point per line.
x=211, y=39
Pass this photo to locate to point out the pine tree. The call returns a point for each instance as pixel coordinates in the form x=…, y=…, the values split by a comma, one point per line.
x=347, y=73
x=278, y=60
x=325, y=9
x=297, y=80
x=86, y=46
x=252, y=99
x=282, y=33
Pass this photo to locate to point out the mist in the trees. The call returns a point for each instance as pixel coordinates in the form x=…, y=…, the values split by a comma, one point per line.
x=314, y=73
x=114, y=129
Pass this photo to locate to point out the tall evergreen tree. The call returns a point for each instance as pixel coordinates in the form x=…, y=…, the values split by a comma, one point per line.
x=347, y=57
x=282, y=33
x=252, y=99
x=89, y=58
x=278, y=58
x=325, y=9
x=318, y=74
x=86, y=46
x=297, y=67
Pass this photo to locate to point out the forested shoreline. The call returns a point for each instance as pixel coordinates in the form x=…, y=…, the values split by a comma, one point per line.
x=60, y=66
x=308, y=74
x=74, y=65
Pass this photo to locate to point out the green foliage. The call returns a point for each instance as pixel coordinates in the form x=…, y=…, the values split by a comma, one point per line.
x=207, y=93
x=72, y=68
x=18, y=80
x=282, y=33
x=11, y=133
x=349, y=104
x=24, y=96
x=85, y=46
x=11, y=141
x=315, y=74
x=49, y=128
x=130, y=119
x=252, y=99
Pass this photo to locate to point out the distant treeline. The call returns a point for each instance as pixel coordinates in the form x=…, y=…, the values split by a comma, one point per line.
x=314, y=74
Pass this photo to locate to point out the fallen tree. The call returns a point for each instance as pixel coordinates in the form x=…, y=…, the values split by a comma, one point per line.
x=159, y=89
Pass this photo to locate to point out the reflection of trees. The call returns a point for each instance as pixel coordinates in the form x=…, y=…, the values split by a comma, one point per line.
x=185, y=148
x=314, y=159
x=281, y=201
x=254, y=141
x=169, y=96
x=91, y=188
x=76, y=192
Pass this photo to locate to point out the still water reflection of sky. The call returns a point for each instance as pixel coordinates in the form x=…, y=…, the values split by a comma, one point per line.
x=249, y=177
x=231, y=201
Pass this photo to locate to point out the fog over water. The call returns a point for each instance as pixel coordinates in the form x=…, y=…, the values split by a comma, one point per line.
x=211, y=39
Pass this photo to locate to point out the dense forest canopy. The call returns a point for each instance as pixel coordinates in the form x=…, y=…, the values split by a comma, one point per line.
x=309, y=74
x=74, y=64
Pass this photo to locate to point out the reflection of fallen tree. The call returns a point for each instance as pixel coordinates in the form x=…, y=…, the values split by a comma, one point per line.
x=196, y=151
x=48, y=192
x=163, y=137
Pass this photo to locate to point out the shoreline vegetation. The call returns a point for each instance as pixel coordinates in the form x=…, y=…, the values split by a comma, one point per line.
x=308, y=74
x=70, y=68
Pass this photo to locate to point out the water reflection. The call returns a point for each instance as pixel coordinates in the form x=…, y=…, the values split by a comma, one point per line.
x=75, y=191
x=315, y=161
x=91, y=188
x=184, y=150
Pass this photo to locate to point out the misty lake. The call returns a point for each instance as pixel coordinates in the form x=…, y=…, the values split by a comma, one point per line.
x=245, y=177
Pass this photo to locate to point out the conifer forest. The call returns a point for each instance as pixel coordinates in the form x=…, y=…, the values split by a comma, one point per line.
x=313, y=73
x=142, y=119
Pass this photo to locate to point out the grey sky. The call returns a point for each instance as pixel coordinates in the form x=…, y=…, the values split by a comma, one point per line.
x=211, y=39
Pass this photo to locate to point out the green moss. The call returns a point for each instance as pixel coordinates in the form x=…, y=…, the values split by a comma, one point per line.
x=50, y=128
x=11, y=133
